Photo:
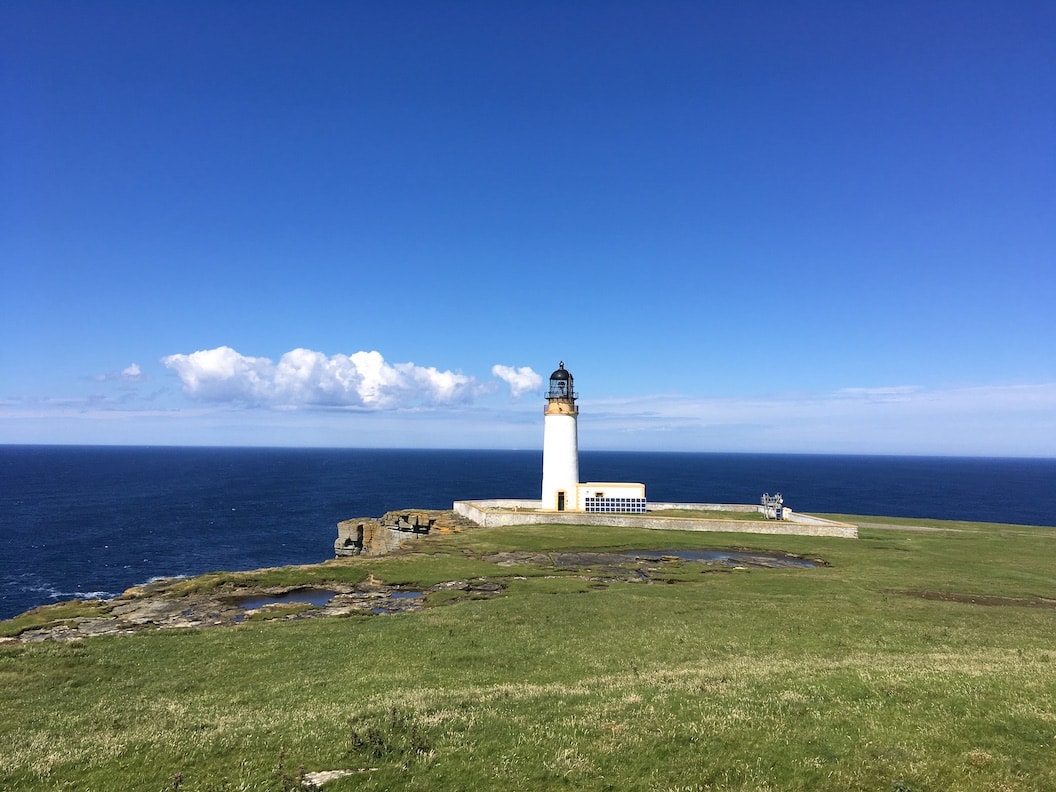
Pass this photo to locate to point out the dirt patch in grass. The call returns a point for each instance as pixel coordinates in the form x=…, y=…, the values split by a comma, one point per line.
x=976, y=599
x=645, y=563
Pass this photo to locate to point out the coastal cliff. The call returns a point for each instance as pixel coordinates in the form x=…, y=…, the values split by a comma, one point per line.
x=380, y=535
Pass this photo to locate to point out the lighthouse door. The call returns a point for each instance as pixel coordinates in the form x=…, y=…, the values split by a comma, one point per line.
x=561, y=500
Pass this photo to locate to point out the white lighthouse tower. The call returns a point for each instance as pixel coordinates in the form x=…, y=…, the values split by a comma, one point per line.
x=560, y=443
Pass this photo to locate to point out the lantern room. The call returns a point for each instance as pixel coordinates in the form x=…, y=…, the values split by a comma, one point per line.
x=561, y=385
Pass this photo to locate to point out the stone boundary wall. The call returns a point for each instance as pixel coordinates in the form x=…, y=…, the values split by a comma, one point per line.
x=743, y=508
x=499, y=512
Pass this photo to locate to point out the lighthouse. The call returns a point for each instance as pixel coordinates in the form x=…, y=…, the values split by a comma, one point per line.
x=560, y=443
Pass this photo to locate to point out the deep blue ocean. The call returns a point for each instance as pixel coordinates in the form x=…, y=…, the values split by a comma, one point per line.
x=81, y=521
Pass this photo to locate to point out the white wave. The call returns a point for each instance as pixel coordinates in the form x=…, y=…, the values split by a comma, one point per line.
x=84, y=595
x=156, y=578
x=34, y=584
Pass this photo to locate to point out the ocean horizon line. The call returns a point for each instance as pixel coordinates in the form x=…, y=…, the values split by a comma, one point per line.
x=582, y=449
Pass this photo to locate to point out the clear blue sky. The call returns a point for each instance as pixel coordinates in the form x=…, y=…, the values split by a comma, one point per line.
x=745, y=226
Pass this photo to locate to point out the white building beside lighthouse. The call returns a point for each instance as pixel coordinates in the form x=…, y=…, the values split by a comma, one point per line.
x=562, y=490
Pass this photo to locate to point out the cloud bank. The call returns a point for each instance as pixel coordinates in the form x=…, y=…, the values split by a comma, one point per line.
x=992, y=420
x=998, y=420
x=305, y=378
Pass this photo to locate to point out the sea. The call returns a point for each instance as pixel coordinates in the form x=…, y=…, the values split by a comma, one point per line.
x=87, y=522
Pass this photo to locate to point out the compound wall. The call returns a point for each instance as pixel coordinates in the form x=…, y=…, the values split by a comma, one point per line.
x=499, y=512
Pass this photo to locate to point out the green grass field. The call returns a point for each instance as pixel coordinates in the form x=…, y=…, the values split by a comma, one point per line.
x=916, y=660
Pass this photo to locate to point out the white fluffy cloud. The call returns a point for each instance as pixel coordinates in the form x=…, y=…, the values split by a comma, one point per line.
x=133, y=373
x=222, y=374
x=303, y=377
x=521, y=380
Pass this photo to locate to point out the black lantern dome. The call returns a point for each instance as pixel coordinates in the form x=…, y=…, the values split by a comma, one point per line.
x=561, y=384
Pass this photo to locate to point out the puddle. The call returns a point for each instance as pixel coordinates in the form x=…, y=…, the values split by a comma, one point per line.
x=392, y=601
x=317, y=597
x=733, y=558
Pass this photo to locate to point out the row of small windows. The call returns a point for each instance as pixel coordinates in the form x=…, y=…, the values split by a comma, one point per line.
x=625, y=505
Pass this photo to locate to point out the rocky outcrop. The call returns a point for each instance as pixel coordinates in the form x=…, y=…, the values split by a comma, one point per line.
x=380, y=535
x=139, y=609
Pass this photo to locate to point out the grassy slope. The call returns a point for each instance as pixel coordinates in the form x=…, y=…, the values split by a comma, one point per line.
x=819, y=679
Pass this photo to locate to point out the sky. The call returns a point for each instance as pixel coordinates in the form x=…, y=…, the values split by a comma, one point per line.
x=759, y=226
